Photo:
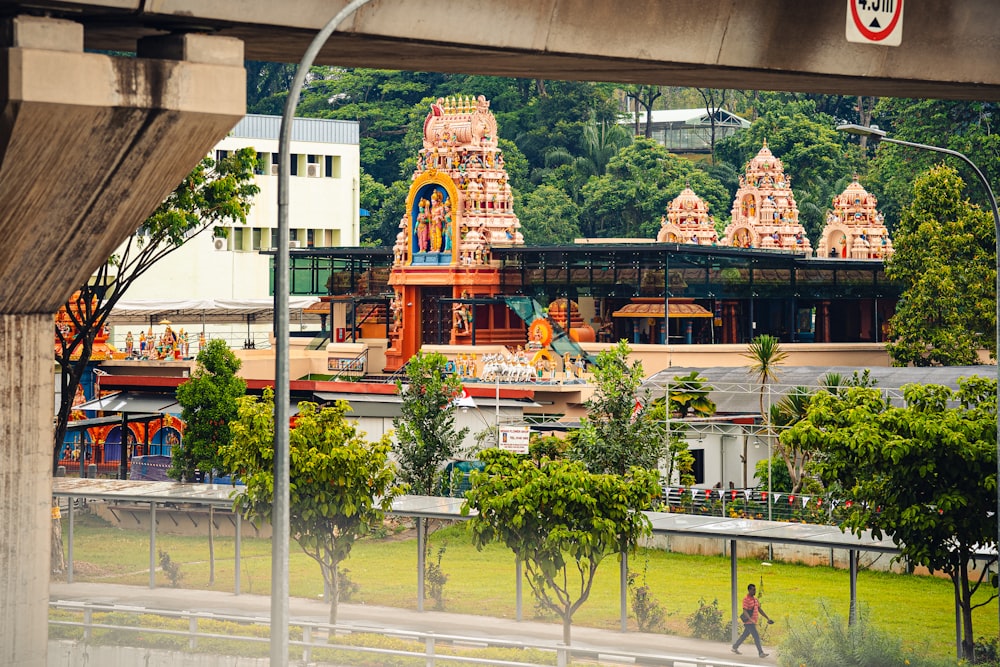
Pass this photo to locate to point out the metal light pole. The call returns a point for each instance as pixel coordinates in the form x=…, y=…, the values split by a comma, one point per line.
x=874, y=131
x=280, y=518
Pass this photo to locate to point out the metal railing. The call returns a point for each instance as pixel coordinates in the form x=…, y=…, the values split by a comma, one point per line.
x=322, y=636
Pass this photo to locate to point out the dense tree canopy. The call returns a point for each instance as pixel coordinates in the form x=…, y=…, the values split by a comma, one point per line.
x=426, y=437
x=945, y=259
x=342, y=484
x=619, y=431
x=924, y=473
x=208, y=402
x=560, y=520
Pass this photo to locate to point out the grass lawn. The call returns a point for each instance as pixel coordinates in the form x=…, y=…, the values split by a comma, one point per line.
x=483, y=582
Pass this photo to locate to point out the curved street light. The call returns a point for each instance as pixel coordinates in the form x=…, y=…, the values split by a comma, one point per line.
x=280, y=517
x=880, y=135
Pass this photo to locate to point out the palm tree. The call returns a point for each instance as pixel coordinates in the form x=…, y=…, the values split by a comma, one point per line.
x=765, y=355
x=689, y=394
x=791, y=409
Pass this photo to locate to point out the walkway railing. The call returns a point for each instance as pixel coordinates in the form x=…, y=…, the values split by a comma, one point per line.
x=128, y=625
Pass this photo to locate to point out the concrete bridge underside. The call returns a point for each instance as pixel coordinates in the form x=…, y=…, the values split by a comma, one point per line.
x=949, y=49
x=90, y=144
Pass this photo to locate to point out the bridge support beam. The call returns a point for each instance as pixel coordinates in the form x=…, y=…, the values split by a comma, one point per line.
x=90, y=144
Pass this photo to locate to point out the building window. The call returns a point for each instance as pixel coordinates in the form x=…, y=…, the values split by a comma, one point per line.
x=259, y=160
x=310, y=238
x=237, y=234
x=274, y=237
x=295, y=164
x=698, y=467
x=256, y=238
x=332, y=166
x=221, y=155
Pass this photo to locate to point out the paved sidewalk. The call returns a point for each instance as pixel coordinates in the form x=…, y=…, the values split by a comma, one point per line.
x=389, y=618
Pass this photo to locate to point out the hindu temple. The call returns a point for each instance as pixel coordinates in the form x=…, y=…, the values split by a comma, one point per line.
x=855, y=228
x=764, y=213
x=687, y=221
x=459, y=206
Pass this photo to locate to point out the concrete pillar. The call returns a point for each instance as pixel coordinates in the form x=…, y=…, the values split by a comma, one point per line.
x=27, y=399
x=89, y=146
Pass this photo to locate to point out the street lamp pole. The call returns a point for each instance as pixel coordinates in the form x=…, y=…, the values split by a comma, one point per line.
x=280, y=515
x=874, y=131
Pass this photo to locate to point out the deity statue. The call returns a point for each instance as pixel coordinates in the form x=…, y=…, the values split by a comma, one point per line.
x=201, y=341
x=423, y=227
x=129, y=343
x=447, y=232
x=437, y=220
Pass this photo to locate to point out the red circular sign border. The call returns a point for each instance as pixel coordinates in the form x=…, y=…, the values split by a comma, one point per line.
x=870, y=34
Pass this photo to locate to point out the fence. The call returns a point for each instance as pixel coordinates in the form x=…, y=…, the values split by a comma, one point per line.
x=99, y=623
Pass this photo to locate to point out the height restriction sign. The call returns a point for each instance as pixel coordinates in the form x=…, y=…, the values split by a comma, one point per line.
x=875, y=22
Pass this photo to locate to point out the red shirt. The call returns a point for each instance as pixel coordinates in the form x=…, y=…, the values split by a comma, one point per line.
x=751, y=605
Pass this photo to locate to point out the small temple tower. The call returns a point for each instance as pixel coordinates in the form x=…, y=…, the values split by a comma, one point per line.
x=764, y=212
x=855, y=229
x=687, y=221
x=458, y=207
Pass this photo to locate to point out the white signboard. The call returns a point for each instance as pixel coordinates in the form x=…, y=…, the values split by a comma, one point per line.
x=875, y=22
x=515, y=439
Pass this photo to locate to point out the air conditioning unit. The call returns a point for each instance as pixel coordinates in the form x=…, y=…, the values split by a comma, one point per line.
x=274, y=169
x=219, y=243
x=293, y=244
x=313, y=171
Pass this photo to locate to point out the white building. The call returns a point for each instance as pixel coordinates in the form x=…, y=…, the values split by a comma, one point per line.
x=323, y=212
x=686, y=130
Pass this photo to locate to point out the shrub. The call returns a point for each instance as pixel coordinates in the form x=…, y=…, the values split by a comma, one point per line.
x=831, y=642
x=706, y=622
x=435, y=579
x=171, y=569
x=648, y=613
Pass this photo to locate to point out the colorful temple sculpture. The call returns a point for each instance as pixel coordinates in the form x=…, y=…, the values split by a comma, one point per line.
x=458, y=207
x=764, y=213
x=855, y=228
x=687, y=221
x=66, y=331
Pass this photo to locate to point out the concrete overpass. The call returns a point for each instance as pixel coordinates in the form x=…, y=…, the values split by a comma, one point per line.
x=90, y=143
x=949, y=49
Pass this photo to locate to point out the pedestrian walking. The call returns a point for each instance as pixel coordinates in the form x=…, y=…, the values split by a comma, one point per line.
x=752, y=611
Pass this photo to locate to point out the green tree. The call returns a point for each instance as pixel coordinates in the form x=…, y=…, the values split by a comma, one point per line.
x=632, y=196
x=618, y=431
x=793, y=408
x=342, y=484
x=925, y=473
x=560, y=520
x=645, y=97
x=765, y=355
x=961, y=125
x=208, y=402
x=425, y=430
x=548, y=216
x=212, y=194
x=945, y=259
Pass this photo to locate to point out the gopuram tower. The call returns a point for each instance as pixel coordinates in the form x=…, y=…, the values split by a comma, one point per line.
x=687, y=221
x=855, y=229
x=458, y=207
x=764, y=212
